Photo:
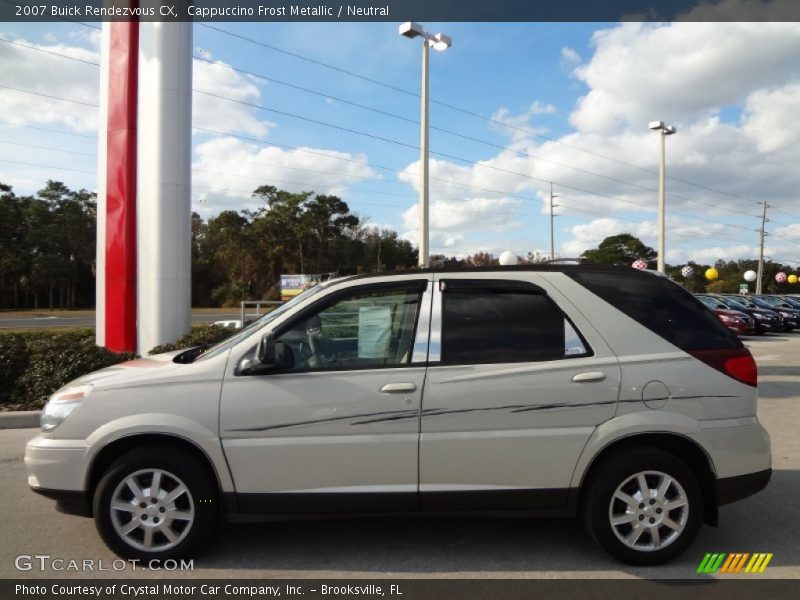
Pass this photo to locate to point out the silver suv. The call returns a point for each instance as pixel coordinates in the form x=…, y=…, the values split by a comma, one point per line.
x=555, y=390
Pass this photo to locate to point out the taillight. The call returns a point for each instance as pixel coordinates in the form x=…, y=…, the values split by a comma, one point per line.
x=737, y=363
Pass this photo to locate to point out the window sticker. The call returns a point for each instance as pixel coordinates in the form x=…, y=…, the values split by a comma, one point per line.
x=374, y=331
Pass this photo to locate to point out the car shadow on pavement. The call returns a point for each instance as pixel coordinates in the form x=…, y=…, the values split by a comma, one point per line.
x=506, y=547
x=769, y=337
x=767, y=370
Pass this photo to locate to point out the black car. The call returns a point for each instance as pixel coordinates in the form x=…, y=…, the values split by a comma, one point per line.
x=791, y=315
x=766, y=320
x=792, y=301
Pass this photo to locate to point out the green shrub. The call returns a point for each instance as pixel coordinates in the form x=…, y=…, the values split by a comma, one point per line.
x=199, y=335
x=35, y=364
x=13, y=362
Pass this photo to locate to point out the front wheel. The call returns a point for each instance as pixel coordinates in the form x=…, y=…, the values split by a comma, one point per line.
x=644, y=507
x=156, y=503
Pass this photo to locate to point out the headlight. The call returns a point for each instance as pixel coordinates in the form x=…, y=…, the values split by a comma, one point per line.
x=62, y=403
x=760, y=316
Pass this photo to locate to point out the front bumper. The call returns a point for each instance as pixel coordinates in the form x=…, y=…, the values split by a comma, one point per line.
x=68, y=502
x=56, y=469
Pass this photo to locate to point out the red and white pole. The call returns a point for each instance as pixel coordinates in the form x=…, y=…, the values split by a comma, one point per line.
x=144, y=208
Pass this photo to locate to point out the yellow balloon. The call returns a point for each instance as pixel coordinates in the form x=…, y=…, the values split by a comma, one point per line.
x=792, y=279
x=711, y=274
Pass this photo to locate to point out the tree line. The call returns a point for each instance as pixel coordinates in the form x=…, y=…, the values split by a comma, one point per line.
x=47, y=249
x=624, y=249
x=48, y=240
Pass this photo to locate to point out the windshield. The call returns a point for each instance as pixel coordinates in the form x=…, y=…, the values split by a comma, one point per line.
x=793, y=302
x=759, y=302
x=772, y=301
x=231, y=341
x=743, y=302
x=711, y=302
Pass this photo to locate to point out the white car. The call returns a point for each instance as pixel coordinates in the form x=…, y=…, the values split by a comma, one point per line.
x=552, y=390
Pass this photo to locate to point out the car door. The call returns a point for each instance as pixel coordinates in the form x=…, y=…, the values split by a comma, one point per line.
x=517, y=381
x=339, y=430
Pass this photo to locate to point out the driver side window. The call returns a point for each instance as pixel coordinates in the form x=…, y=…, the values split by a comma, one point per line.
x=368, y=329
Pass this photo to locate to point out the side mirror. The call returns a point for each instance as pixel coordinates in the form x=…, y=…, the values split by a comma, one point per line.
x=265, y=354
x=269, y=355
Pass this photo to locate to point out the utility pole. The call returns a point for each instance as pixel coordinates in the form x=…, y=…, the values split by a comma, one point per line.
x=552, y=239
x=763, y=234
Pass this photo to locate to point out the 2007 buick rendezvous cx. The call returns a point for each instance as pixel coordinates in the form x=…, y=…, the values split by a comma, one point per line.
x=551, y=390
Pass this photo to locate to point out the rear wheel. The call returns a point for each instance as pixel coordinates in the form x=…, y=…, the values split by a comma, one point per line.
x=156, y=503
x=644, y=507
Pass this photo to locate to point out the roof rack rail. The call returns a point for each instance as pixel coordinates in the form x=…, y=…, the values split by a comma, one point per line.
x=579, y=260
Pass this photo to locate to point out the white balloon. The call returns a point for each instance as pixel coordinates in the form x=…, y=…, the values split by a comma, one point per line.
x=508, y=258
x=750, y=276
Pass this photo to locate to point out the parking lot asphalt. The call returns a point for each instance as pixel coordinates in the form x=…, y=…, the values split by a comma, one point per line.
x=441, y=547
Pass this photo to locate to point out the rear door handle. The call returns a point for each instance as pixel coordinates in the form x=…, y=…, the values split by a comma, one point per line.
x=591, y=376
x=398, y=388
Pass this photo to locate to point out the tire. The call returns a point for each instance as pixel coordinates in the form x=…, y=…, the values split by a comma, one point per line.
x=194, y=510
x=665, y=527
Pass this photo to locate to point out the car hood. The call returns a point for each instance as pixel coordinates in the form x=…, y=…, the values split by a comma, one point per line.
x=730, y=312
x=137, y=370
x=760, y=311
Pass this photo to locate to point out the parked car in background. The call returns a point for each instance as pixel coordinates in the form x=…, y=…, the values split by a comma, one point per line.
x=548, y=390
x=791, y=317
x=792, y=301
x=757, y=321
x=766, y=320
x=737, y=321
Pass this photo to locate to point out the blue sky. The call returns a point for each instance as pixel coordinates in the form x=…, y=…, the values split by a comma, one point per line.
x=577, y=97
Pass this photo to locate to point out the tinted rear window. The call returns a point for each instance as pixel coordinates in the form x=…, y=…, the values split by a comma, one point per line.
x=662, y=306
x=496, y=322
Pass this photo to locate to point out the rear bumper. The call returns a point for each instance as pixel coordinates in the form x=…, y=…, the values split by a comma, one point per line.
x=731, y=489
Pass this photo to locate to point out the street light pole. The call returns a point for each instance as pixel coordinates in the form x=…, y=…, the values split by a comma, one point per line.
x=664, y=131
x=424, y=182
x=439, y=42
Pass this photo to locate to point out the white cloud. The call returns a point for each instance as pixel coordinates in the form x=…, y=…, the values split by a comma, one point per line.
x=681, y=71
x=791, y=232
x=770, y=116
x=44, y=73
x=222, y=115
x=20, y=185
x=569, y=58
x=468, y=214
x=226, y=170
x=689, y=74
x=516, y=124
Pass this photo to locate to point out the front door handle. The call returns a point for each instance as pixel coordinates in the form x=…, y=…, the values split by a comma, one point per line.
x=398, y=388
x=591, y=376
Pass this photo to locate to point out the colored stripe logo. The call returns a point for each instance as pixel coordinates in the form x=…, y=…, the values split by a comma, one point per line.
x=736, y=562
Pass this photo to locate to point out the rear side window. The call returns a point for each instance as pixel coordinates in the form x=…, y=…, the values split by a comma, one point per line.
x=487, y=322
x=662, y=306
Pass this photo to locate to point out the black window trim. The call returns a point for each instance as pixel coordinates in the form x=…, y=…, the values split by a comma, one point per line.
x=505, y=286
x=409, y=285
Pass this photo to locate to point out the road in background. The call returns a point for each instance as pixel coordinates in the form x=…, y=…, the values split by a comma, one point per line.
x=444, y=547
x=44, y=320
